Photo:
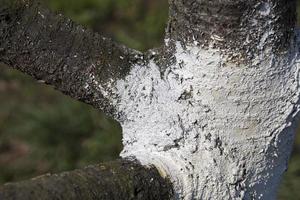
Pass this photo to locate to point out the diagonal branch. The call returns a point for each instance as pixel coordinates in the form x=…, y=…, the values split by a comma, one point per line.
x=115, y=180
x=52, y=48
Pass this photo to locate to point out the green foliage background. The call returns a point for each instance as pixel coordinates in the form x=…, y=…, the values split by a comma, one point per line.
x=43, y=131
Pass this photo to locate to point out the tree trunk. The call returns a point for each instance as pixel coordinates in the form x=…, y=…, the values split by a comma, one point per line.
x=214, y=109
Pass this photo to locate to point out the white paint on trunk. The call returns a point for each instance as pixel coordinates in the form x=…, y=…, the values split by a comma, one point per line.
x=219, y=130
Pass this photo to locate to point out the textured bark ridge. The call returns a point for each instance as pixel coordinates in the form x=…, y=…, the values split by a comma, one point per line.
x=110, y=181
x=214, y=109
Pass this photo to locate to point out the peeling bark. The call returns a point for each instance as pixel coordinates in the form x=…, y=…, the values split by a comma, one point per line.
x=110, y=181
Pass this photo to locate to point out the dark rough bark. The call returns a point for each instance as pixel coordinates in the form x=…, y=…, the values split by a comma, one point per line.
x=118, y=180
x=52, y=48
x=233, y=25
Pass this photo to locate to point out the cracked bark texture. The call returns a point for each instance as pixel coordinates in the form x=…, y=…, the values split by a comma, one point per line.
x=214, y=109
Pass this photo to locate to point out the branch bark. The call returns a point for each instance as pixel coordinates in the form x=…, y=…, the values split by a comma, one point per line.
x=59, y=52
x=117, y=180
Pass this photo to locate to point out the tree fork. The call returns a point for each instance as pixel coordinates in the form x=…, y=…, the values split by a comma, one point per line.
x=214, y=109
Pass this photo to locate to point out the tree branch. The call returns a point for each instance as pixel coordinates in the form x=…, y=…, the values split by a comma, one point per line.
x=115, y=180
x=52, y=48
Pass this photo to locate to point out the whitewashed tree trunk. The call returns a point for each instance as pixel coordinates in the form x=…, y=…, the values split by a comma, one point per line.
x=219, y=130
x=213, y=109
x=219, y=117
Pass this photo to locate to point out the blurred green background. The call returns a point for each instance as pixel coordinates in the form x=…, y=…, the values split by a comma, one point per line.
x=43, y=131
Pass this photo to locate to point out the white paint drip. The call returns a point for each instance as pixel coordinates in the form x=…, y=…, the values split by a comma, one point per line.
x=215, y=128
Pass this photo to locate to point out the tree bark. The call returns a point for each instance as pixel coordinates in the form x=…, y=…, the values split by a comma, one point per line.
x=217, y=107
x=214, y=109
x=117, y=180
x=55, y=50
x=235, y=27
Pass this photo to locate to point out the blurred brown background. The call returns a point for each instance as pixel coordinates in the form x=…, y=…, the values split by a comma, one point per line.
x=44, y=131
